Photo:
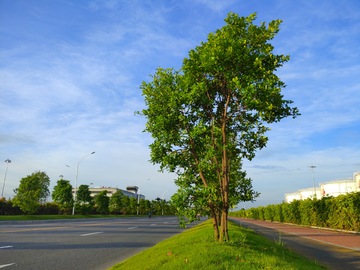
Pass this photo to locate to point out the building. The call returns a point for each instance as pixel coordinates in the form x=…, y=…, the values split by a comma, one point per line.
x=131, y=191
x=338, y=187
x=310, y=193
x=289, y=197
x=330, y=188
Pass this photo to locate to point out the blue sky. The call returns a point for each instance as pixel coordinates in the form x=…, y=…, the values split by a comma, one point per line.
x=69, y=84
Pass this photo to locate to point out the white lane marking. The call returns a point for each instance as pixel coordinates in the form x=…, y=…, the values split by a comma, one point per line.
x=6, y=265
x=174, y=221
x=6, y=247
x=152, y=224
x=166, y=222
x=91, y=233
x=132, y=228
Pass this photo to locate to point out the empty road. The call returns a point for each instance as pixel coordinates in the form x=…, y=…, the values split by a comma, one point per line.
x=80, y=244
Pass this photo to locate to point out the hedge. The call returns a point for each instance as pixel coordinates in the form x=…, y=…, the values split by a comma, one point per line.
x=341, y=212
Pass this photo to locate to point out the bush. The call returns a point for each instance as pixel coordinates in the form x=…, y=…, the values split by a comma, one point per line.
x=341, y=212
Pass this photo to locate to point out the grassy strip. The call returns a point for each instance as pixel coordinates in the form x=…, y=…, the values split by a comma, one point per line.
x=196, y=249
x=41, y=217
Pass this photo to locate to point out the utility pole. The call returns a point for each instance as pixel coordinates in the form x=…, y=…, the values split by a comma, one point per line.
x=7, y=164
x=312, y=167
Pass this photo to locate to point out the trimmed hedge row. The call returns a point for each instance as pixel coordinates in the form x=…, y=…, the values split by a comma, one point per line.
x=341, y=212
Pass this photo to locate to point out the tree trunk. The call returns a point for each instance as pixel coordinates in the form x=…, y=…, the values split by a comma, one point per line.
x=215, y=223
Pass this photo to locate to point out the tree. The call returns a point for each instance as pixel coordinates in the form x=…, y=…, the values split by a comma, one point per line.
x=116, y=202
x=62, y=194
x=126, y=204
x=213, y=112
x=32, y=191
x=84, y=201
x=132, y=205
x=102, y=202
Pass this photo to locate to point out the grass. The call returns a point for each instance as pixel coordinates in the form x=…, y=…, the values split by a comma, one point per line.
x=41, y=217
x=196, y=249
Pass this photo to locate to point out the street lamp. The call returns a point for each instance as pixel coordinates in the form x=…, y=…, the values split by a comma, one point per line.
x=137, y=212
x=77, y=169
x=312, y=167
x=163, y=202
x=7, y=164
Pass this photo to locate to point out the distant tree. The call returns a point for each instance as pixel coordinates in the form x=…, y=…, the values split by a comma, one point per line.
x=84, y=201
x=62, y=194
x=133, y=205
x=102, y=202
x=116, y=202
x=32, y=191
x=144, y=206
x=126, y=204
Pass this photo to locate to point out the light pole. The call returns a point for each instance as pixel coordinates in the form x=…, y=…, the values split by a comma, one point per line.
x=76, y=177
x=137, y=212
x=163, y=202
x=312, y=167
x=7, y=164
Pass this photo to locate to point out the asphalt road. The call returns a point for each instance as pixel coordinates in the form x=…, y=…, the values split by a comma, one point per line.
x=95, y=244
x=335, y=250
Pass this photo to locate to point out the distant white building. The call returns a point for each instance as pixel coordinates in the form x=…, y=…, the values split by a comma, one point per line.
x=131, y=191
x=310, y=193
x=289, y=197
x=338, y=187
x=330, y=188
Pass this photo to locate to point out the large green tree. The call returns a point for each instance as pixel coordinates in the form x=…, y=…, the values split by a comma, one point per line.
x=62, y=194
x=33, y=190
x=214, y=110
x=102, y=202
x=84, y=202
x=116, y=202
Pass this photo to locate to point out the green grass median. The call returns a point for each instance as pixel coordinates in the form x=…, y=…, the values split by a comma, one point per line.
x=196, y=249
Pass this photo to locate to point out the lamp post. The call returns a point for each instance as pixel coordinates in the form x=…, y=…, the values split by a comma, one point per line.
x=7, y=164
x=312, y=168
x=76, y=177
x=163, y=203
x=137, y=212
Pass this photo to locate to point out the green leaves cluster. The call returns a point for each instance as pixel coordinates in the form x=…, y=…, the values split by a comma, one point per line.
x=32, y=190
x=62, y=194
x=209, y=115
x=341, y=212
x=84, y=202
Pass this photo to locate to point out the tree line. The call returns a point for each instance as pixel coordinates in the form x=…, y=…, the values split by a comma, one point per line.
x=30, y=198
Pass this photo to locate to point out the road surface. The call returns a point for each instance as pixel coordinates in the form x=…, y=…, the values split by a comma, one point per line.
x=95, y=244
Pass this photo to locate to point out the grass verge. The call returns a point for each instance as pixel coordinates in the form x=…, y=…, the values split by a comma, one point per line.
x=196, y=249
x=41, y=217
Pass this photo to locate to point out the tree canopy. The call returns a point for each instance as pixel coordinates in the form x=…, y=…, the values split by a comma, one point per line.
x=84, y=202
x=212, y=113
x=33, y=190
x=62, y=194
x=116, y=202
x=102, y=202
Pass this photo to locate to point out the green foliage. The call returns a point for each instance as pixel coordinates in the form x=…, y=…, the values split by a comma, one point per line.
x=341, y=212
x=62, y=194
x=116, y=202
x=209, y=115
x=102, y=202
x=84, y=202
x=132, y=205
x=126, y=204
x=32, y=191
